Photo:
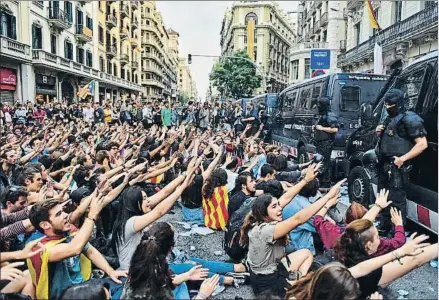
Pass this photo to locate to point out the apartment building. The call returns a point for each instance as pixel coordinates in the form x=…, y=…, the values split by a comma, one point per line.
x=57, y=47
x=186, y=84
x=266, y=33
x=409, y=30
x=320, y=25
x=159, y=62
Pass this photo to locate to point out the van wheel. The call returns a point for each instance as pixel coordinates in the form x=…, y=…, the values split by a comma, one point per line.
x=359, y=186
x=302, y=155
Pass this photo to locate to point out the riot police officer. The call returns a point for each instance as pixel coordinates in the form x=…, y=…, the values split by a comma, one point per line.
x=402, y=137
x=324, y=134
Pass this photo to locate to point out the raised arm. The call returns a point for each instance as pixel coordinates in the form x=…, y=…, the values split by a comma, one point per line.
x=380, y=204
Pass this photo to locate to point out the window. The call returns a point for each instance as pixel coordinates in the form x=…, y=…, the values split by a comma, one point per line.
x=411, y=84
x=37, y=37
x=374, y=31
x=307, y=68
x=295, y=70
x=101, y=35
x=350, y=98
x=89, y=59
x=325, y=36
x=68, y=9
x=148, y=10
x=290, y=99
x=357, y=28
x=397, y=10
x=68, y=50
x=79, y=55
x=109, y=67
x=89, y=22
x=53, y=44
x=101, y=64
x=304, y=100
x=114, y=70
x=316, y=92
x=8, y=25
x=79, y=17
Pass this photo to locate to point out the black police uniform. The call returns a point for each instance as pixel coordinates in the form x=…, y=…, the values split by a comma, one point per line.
x=401, y=128
x=324, y=141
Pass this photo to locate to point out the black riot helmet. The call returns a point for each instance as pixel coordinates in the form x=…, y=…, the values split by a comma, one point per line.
x=324, y=105
x=394, y=98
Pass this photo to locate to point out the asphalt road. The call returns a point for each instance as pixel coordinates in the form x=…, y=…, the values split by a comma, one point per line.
x=419, y=284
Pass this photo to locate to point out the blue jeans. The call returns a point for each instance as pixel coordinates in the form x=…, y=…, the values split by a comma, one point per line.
x=115, y=288
x=215, y=267
x=193, y=215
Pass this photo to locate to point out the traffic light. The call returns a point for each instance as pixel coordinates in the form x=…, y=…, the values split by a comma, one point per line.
x=189, y=58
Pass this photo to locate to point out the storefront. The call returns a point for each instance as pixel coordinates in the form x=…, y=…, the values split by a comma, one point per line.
x=8, y=85
x=45, y=88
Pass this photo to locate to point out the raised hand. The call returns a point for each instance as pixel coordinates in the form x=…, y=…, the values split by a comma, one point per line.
x=381, y=200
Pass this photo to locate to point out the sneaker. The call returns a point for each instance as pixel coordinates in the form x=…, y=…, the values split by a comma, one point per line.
x=237, y=282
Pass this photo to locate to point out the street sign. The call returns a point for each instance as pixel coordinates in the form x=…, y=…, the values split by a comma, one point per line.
x=317, y=73
x=320, y=59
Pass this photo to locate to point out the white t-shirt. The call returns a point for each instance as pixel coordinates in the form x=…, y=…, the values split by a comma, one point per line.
x=88, y=113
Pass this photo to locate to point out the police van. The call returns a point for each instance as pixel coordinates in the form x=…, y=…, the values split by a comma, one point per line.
x=297, y=113
x=419, y=83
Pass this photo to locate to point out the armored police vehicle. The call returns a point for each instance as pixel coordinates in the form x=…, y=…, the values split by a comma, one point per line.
x=419, y=83
x=297, y=113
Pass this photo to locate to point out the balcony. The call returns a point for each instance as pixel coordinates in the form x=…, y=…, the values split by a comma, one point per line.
x=354, y=4
x=152, y=82
x=124, y=59
x=123, y=33
x=83, y=34
x=124, y=11
x=12, y=49
x=316, y=27
x=324, y=19
x=305, y=47
x=111, y=21
x=134, y=42
x=134, y=65
x=343, y=45
x=135, y=4
x=83, y=2
x=58, y=18
x=414, y=27
x=134, y=23
x=111, y=51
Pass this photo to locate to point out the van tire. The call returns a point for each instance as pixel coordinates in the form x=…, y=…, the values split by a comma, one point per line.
x=359, y=186
x=302, y=155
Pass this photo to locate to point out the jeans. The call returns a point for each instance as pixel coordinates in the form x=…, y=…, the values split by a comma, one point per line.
x=193, y=215
x=115, y=289
x=215, y=267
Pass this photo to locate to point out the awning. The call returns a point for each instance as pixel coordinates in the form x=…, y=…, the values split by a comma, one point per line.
x=7, y=87
x=46, y=92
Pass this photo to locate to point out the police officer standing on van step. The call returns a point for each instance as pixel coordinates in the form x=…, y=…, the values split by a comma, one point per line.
x=402, y=138
x=324, y=134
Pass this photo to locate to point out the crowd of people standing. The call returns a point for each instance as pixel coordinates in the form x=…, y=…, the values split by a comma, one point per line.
x=83, y=188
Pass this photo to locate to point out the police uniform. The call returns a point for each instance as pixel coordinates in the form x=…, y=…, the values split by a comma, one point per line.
x=401, y=128
x=324, y=141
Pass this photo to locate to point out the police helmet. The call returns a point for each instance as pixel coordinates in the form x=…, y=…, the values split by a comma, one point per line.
x=369, y=158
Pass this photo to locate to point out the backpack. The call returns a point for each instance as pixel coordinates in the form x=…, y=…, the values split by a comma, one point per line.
x=233, y=232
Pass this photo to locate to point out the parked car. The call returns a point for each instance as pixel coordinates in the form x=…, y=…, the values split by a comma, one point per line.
x=297, y=113
x=419, y=82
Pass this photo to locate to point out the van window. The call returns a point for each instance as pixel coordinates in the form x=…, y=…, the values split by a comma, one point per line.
x=350, y=98
x=316, y=93
x=290, y=98
x=304, y=100
x=411, y=84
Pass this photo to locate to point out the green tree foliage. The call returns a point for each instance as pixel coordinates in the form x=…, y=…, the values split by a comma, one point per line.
x=183, y=98
x=234, y=77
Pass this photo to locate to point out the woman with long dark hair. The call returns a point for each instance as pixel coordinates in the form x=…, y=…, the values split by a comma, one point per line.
x=149, y=275
x=266, y=235
x=216, y=200
x=360, y=241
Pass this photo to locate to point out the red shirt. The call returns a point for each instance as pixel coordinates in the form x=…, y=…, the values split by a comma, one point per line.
x=329, y=233
x=39, y=115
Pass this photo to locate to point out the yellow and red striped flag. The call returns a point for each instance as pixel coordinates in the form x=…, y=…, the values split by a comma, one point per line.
x=87, y=90
x=372, y=15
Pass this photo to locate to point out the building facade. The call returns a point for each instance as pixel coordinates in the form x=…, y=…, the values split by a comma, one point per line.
x=409, y=30
x=186, y=84
x=320, y=25
x=159, y=55
x=57, y=47
x=266, y=33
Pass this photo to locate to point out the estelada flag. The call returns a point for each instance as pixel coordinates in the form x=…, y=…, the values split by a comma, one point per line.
x=372, y=15
x=87, y=90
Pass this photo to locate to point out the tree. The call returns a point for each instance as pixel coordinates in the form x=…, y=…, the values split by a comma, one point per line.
x=235, y=77
x=183, y=98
